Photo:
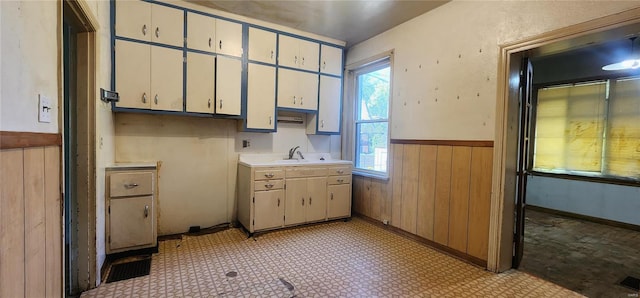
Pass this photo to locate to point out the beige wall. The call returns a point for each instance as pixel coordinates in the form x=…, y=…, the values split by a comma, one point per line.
x=29, y=65
x=446, y=60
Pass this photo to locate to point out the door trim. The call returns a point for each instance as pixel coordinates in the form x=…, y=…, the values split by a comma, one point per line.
x=502, y=206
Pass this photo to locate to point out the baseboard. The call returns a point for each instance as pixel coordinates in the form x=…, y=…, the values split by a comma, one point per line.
x=437, y=246
x=598, y=220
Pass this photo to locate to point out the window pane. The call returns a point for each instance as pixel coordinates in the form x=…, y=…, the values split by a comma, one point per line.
x=371, y=146
x=373, y=95
x=569, y=128
x=623, y=135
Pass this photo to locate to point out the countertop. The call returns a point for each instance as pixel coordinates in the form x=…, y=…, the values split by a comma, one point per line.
x=279, y=160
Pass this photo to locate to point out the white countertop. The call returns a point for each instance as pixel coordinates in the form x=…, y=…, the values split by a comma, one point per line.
x=278, y=160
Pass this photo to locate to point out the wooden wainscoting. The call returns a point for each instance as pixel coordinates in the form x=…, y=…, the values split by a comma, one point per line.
x=438, y=190
x=30, y=221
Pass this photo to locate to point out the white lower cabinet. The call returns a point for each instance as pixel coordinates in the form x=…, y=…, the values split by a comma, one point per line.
x=130, y=208
x=275, y=197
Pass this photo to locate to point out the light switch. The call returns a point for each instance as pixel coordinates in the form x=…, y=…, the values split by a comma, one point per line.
x=44, y=109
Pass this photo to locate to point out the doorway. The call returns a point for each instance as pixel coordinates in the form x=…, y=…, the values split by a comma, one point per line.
x=564, y=179
x=79, y=95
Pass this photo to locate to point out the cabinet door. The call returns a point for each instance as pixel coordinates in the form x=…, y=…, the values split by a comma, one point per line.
x=228, y=85
x=288, y=89
x=308, y=90
x=317, y=194
x=296, y=200
x=167, y=25
x=228, y=38
x=329, y=109
x=262, y=45
x=331, y=60
x=288, y=51
x=309, y=54
x=133, y=19
x=268, y=209
x=166, y=79
x=201, y=32
x=200, y=83
x=261, y=96
x=133, y=81
x=130, y=222
x=339, y=200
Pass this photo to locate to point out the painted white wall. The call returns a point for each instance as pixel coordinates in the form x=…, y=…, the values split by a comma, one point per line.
x=445, y=67
x=613, y=202
x=29, y=64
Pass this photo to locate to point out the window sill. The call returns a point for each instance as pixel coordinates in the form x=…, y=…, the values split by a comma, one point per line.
x=357, y=172
x=595, y=179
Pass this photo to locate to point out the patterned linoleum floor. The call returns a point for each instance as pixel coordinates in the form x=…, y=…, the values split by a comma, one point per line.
x=337, y=259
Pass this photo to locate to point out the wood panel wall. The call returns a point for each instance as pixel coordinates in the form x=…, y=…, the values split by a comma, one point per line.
x=438, y=192
x=30, y=222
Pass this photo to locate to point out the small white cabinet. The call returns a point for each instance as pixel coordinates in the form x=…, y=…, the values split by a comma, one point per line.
x=262, y=46
x=130, y=208
x=205, y=33
x=228, y=38
x=261, y=97
x=298, y=53
x=331, y=60
x=150, y=22
x=297, y=90
x=339, y=192
x=200, y=83
x=327, y=120
x=228, y=85
x=306, y=200
x=148, y=77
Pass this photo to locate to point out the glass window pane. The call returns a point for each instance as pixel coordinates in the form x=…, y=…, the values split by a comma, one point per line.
x=373, y=95
x=371, y=146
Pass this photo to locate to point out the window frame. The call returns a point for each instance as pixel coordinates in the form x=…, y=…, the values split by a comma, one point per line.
x=370, y=65
x=577, y=175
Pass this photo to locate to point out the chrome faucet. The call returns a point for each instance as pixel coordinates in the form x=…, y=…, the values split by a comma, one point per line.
x=300, y=154
x=293, y=151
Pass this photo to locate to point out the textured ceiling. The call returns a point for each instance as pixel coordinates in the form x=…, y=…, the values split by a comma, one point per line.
x=352, y=21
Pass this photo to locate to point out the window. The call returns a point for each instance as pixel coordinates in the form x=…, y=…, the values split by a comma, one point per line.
x=589, y=129
x=371, y=121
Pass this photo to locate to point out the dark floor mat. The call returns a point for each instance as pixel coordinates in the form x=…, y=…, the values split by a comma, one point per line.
x=129, y=270
x=631, y=283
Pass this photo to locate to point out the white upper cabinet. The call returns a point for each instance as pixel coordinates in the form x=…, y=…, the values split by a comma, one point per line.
x=228, y=38
x=228, y=85
x=133, y=74
x=297, y=89
x=261, y=96
x=298, y=53
x=201, y=31
x=166, y=79
x=331, y=60
x=200, y=83
x=262, y=45
x=133, y=19
x=329, y=109
x=150, y=22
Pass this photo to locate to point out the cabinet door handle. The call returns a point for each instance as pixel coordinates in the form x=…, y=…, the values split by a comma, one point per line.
x=302, y=201
x=209, y=41
x=278, y=202
x=324, y=64
x=302, y=60
x=310, y=200
x=144, y=29
x=157, y=31
x=271, y=54
x=220, y=45
x=322, y=123
x=130, y=185
x=301, y=100
x=332, y=196
x=146, y=211
x=294, y=99
x=209, y=103
x=268, y=185
x=144, y=97
x=295, y=59
x=270, y=117
x=155, y=99
x=269, y=175
x=221, y=104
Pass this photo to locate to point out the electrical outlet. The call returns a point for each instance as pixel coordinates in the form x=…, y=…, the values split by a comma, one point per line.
x=246, y=143
x=385, y=221
x=44, y=109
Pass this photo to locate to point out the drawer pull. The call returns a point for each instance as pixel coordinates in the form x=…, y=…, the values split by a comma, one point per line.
x=157, y=31
x=209, y=41
x=146, y=211
x=130, y=185
x=144, y=29
x=332, y=196
x=302, y=201
x=269, y=175
x=310, y=200
x=278, y=202
x=340, y=171
x=340, y=180
x=269, y=185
